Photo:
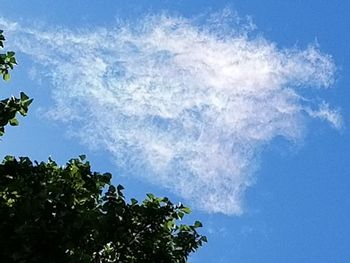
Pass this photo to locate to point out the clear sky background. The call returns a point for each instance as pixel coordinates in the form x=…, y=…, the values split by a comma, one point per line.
x=239, y=109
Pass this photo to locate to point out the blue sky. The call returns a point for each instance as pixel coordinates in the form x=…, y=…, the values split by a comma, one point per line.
x=237, y=108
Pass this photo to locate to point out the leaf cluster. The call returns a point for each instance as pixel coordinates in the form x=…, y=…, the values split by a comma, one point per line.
x=7, y=60
x=50, y=213
x=10, y=106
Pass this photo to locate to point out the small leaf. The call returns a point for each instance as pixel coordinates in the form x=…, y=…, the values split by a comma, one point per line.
x=150, y=196
x=120, y=187
x=197, y=224
x=184, y=228
x=23, y=96
x=14, y=122
x=23, y=111
x=180, y=215
x=28, y=102
x=133, y=201
x=9, y=158
x=10, y=54
x=186, y=210
x=204, y=239
x=107, y=176
x=6, y=77
x=170, y=225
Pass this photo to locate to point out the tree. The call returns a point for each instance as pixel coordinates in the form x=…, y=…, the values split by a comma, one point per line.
x=50, y=213
x=10, y=106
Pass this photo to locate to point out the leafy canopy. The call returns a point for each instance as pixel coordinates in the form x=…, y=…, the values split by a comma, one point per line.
x=50, y=213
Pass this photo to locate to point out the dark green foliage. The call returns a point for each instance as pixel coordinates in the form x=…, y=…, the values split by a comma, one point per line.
x=10, y=106
x=57, y=214
x=7, y=60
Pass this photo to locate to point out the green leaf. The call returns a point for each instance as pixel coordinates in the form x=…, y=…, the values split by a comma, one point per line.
x=180, y=215
x=204, y=239
x=170, y=225
x=23, y=111
x=133, y=201
x=14, y=122
x=28, y=102
x=120, y=187
x=6, y=77
x=184, y=228
x=13, y=60
x=23, y=96
x=9, y=158
x=150, y=196
x=197, y=224
x=186, y=210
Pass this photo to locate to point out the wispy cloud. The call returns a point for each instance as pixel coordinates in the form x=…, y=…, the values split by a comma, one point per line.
x=187, y=106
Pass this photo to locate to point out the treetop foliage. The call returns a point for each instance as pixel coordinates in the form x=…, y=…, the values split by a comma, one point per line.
x=50, y=213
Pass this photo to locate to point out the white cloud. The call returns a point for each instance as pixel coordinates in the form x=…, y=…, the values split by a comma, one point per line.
x=185, y=106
